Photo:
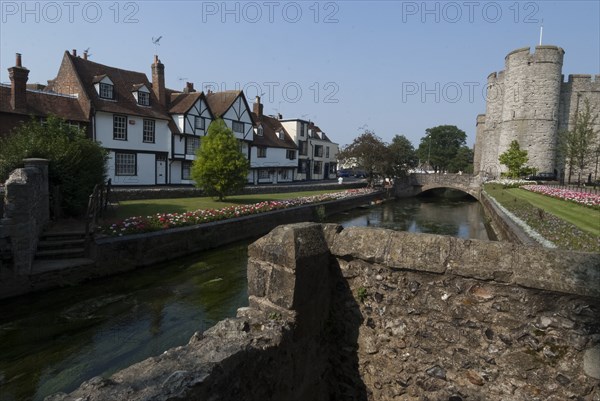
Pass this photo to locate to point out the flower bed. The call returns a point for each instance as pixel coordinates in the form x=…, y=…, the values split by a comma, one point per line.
x=582, y=198
x=508, y=183
x=161, y=221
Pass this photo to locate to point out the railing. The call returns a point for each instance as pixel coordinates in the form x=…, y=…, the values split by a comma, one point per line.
x=592, y=189
x=97, y=204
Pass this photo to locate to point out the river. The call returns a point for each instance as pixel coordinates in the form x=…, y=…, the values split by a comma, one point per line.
x=52, y=341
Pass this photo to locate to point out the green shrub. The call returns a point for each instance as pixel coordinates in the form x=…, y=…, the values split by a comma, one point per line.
x=76, y=163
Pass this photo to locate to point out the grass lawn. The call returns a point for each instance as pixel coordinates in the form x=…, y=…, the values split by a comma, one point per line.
x=180, y=205
x=586, y=218
x=566, y=224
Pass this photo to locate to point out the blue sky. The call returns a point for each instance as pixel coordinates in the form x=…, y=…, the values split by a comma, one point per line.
x=395, y=67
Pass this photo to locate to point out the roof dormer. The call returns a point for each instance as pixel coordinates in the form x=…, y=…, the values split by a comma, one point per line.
x=281, y=135
x=104, y=87
x=259, y=130
x=141, y=93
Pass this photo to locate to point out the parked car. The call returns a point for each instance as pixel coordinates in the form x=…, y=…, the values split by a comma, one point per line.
x=542, y=177
x=343, y=173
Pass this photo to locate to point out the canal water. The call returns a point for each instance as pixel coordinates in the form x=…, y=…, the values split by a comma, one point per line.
x=53, y=341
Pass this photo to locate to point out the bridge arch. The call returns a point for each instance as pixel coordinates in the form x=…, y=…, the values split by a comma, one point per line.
x=416, y=184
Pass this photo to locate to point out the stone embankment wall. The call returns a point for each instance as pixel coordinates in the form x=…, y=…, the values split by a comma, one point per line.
x=150, y=248
x=374, y=314
x=504, y=227
x=26, y=213
x=124, y=194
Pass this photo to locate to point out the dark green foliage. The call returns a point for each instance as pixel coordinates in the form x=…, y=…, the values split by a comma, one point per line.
x=220, y=168
x=76, y=163
x=403, y=156
x=463, y=161
x=441, y=145
x=369, y=152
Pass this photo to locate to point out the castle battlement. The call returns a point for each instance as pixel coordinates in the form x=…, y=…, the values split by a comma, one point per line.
x=541, y=54
x=529, y=101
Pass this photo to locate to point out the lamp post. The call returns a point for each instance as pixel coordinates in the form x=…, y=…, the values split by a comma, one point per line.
x=597, y=156
x=429, y=152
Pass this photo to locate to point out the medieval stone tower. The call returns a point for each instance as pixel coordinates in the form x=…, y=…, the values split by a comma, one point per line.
x=530, y=103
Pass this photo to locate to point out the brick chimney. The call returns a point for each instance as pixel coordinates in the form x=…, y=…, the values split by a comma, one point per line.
x=158, y=81
x=189, y=88
x=18, y=85
x=74, y=52
x=257, y=108
x=85, y=54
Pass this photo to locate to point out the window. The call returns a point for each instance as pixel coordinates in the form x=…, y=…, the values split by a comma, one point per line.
x=290, y=154
x=318, y=150
x=280, y=135
x=106, y=91
x=191, y=145
x=120, y=127
x=125, y=164
x=198, y=122
x=261, y=151
x=327, y=151
x=263, y=174
x=259, y=131
x=186, y=171
x=318, y=168
x=148, y=131
x=284, y=174
x=303, y=147
x=302, y=166
x=302, y=128
x=143, y=98
x=237, y=126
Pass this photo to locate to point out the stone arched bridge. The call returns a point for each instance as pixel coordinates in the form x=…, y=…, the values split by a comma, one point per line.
x=415, y=184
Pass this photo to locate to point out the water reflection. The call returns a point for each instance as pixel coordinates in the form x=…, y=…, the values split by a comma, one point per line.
x=53, y=341
x=461, y=218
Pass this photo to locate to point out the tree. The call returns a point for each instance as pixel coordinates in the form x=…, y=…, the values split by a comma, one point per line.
x=578, y=146
x=76, y=164
x=220, y=167
x=403, y=156
x=463, y=161
x=440, y=145
x=514, y=159
x=370, y=152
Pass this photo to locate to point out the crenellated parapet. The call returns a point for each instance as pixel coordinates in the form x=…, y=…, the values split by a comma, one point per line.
x=529, y=102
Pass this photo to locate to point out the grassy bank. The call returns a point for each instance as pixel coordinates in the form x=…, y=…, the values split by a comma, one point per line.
x=568, y=225
x=181, y=205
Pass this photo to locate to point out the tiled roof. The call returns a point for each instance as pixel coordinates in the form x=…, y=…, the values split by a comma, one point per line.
x=220, y=102
x=44, y=103
x=181, y=103
x=90, y=72
x=269, y=137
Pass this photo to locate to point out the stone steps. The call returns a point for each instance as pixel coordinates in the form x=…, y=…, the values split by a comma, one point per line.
x=61, y=245
x=60, y=253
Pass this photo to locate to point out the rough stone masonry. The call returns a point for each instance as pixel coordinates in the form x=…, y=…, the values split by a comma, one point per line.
x=374, y=314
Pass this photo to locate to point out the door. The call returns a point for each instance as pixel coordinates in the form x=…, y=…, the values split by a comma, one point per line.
x=161, y=170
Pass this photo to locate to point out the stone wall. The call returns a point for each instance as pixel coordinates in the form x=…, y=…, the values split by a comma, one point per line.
x=124, y=194
x=138, y=250
x=504, y=227
x=530, y=103
x=451, y=319
x=26, y=213
x=374, y=314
